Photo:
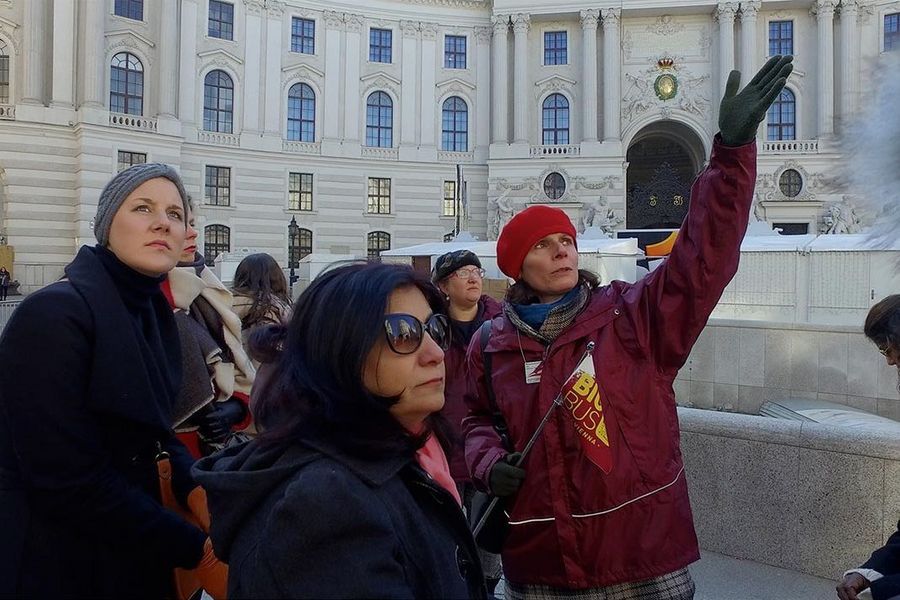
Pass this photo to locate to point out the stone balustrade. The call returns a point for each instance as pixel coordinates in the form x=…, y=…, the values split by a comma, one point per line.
x=791, y=147
x=219, y=139
x=455, y=157
x=380, y=153
x=8, y=112
x=301, y=147
x=134, y=122
x=555, y=151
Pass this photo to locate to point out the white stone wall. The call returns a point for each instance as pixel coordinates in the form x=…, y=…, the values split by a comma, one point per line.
x=59, y=146
x=736, y=366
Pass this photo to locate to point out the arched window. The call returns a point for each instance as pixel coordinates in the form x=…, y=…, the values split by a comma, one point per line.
x=782, y=118
x=301, y=113
x=4, y=73
x=455, y=125
x=218, y=102
x=216, y=240
x=556, y=119
x=299, y=245
x=376, y=242
x=379, y=120
x=126, y=84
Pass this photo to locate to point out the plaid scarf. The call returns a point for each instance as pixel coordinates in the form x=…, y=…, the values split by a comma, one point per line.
x=558, y=319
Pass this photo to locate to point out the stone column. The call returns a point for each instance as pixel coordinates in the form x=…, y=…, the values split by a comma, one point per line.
x=409, y=69
x=521, y=25
x=501, y=79
x=612, y=76
x=849, y=59
x=429, y=79
x=35, y=59
x=168, y=59
x=481, y=110
x=749, y=14
x=274, y=14
x=253, y=66
x=589, y=20
x=94, y=59
x=63, y=90
x=334, y=25
x=353, y=25
x=725, y=15
x=824, y=10
x=187, y=69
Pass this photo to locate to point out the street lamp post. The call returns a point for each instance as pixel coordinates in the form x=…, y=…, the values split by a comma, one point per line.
x=293, y=250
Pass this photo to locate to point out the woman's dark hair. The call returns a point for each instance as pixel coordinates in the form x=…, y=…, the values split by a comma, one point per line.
x=883, y=323
x=259, y=277
x=316, y=387
x=522, y=293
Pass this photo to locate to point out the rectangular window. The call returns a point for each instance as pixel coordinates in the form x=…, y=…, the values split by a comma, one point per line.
x=892, y=32
x=129, y=159
x=303, y=36
x=448, y=208
x=379, y=196
x=218, y=186
x=221, y=20
x=380, y=45
x=4, y=79
x=781, y=37
x=300, y=194
x=556, y=48
x=130, y=9
x=455, y=52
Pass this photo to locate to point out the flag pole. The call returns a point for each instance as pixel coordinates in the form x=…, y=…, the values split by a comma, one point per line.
x=534, y=436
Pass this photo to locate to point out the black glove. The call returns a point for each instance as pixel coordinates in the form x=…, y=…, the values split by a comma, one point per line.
x=217, y=423
x=741, y=114
x=506, y=479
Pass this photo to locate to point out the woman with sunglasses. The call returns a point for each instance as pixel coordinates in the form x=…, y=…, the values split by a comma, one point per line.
x=346, y=492
x=460, y=277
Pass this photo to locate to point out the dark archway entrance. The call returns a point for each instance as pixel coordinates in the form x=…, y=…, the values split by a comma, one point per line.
x=663, y=160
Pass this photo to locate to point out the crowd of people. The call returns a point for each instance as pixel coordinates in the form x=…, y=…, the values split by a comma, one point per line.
x=161, y=433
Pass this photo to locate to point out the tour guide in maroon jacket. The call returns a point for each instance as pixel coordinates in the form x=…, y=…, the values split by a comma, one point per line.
x=607, y=514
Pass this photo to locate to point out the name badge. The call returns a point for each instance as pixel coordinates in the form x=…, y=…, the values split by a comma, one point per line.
x=533, y=370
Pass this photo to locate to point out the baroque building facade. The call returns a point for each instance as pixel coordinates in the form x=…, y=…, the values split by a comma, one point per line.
x=351, y=118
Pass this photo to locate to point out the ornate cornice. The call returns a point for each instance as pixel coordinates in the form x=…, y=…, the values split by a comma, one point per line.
x=333, y=20
x=353, y=23
x=409, y=29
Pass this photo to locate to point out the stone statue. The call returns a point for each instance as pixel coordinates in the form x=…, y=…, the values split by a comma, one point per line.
x=600, y=218
x=500, y=211
x=841, y=217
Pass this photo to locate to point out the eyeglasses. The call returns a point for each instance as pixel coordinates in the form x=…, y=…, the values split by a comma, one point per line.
x=466, y=273
x=884, y=350
x=405, y=332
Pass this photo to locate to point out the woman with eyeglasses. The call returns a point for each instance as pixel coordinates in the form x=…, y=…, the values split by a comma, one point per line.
x=460, y=277
x=346, y=492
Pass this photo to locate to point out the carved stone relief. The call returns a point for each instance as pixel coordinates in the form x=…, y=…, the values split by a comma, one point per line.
x=691, y=94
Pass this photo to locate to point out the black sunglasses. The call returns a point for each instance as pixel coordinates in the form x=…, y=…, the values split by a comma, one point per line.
x=405, y=332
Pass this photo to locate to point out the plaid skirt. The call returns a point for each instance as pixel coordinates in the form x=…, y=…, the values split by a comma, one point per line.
x=676, y=585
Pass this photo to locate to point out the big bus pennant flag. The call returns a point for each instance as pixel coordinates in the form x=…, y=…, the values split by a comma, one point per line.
x=583, y=401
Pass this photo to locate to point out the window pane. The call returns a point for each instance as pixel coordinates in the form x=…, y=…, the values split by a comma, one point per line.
x=216, y=240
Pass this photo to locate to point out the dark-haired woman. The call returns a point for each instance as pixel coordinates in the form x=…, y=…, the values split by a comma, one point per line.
x=88, y=382
x=260, y=293
x=346, y=493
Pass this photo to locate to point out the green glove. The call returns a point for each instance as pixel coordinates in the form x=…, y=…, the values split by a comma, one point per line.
x=741, y=114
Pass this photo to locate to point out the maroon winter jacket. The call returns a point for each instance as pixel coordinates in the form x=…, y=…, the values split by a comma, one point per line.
x=455, y=408
x=571, y=525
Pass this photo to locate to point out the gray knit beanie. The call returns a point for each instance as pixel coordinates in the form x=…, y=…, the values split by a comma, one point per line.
x=120, y=186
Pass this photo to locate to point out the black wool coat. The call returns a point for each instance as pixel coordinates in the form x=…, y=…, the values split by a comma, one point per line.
x=80, y=428
x=309, y=521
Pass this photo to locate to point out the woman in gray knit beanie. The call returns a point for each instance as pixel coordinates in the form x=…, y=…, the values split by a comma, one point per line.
x=90, y=368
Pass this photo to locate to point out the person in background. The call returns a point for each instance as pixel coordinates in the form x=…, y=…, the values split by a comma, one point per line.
x=87, y=386
x=260, y=293
x=5, y=278
x=217, y=373
x=460, y=278
x=346, y=491
x=880, y=575
x=600, y=507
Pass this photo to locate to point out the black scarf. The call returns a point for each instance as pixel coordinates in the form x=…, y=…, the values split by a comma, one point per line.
x=148, y=315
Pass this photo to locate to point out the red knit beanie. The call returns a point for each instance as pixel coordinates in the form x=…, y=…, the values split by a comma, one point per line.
x=525, y=230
